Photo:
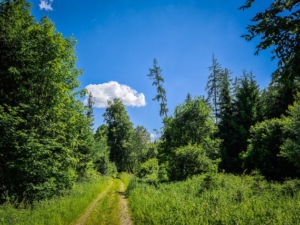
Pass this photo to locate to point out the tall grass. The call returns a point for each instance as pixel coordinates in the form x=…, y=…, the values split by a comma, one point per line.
x=58, y=210
x=222, y=199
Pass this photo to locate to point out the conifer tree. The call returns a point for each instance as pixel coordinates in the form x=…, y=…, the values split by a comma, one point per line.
x=213, y=87
x=244, y=115
x=158, y=80
x=89, y=106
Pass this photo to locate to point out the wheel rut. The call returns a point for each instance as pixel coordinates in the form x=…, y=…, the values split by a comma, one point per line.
x=83, y=218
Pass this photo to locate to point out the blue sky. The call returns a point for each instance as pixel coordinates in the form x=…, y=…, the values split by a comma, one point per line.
x=118, y=40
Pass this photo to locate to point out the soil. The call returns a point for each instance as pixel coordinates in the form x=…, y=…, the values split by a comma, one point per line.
x=125, y=218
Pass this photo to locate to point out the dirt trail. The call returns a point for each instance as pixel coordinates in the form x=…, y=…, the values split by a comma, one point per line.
x=83, y=218
x=125, y=218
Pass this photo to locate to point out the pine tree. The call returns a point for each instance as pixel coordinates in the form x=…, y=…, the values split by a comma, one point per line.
x=213, y=86
x=156, y=76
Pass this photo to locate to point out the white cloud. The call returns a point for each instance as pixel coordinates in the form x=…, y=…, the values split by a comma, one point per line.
x=153, y=136
x=108, y=91
x=46, y=4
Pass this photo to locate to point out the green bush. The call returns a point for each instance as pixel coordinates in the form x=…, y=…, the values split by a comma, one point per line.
x=264, y=149
x=148, y=171
x=191, y=160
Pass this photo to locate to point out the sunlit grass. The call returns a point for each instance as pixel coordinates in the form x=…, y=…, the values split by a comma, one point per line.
x=59, y=210
x=224, y=199
x=107, y=209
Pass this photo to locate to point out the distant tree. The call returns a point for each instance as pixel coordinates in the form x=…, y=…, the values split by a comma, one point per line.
x=156, y=76
x=90, y=110
x=140, y=147
x=212, y=86
x=119, y=134
x=188, y=97
x=101, y=150
x=192, y=123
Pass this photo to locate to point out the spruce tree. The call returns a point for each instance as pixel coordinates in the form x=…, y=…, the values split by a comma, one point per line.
x=158, y=80
x=213, y=86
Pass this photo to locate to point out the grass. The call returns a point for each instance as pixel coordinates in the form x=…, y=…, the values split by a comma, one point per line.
x=58, y=210
x=126, y=178
x=107, y=210
x=223, y=199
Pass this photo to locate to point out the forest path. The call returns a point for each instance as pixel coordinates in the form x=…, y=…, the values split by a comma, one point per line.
x=110, y=207
x=83, y=218
x=125, y=218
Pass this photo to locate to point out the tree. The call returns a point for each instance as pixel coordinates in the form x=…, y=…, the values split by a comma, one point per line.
x=119, y=134
x=244, y=115
x=155, y=75
x=101, y=150
x=212, y=86
x=291, y=145
x=266, y=139
x=43, y=128
x=226, y=130
x=192, y=123
x=89, y=107
x=278, y=26
x=140, y=147
x=273, y=101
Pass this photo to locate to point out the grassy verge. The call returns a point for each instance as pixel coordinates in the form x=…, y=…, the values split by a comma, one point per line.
x=58, y=211
x=223, y=199
x=107, y=209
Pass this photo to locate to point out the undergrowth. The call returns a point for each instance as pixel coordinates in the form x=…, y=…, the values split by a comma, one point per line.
x=218, y=199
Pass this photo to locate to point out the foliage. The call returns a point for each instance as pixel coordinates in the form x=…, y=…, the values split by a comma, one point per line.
x=101, y=150
x=140, y=148
x=278, y=27
x=226, y=199
x=148, y=171
x=291, y=145
x=45, y=140
x=274, y=100
x=264, y=148
x=244, y=115
x=192, y=124
x=119, y=134
x=192, y=160
x=155, y=75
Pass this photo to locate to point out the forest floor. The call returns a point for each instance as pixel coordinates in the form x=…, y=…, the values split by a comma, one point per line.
x=110, y=207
